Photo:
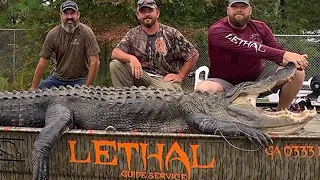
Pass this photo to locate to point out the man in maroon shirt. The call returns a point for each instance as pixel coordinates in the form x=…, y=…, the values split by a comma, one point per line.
x=237, y=46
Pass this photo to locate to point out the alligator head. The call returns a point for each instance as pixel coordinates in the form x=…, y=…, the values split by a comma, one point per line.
x=241, y=104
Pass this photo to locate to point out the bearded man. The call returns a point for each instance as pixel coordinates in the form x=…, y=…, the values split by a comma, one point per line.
x=152, y=54
x=237, y=46
x=74, y=48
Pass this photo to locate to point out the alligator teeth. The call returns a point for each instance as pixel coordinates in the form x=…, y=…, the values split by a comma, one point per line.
x=290, y=79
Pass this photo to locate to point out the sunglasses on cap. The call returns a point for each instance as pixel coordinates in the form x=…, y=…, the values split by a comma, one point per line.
x=146, y=2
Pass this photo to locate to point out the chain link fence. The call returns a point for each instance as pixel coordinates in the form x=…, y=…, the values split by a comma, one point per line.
x=14, y=49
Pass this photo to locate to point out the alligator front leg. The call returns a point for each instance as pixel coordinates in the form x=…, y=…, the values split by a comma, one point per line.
x=58, y=120
x=209, y=125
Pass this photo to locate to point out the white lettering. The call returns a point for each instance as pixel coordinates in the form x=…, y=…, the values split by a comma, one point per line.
x=264, y=50
x=234, y=39
x=255, y=46
x=245, y=43
x=229, y=36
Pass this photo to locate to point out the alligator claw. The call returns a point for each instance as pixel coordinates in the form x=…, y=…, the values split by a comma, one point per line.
x=255, y=135
x=250, y=139
x=261, y=137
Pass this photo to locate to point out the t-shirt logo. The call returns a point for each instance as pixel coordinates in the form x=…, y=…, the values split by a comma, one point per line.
x=248, y=44
x=161, y=46
x=255, y=38
x=75, y=42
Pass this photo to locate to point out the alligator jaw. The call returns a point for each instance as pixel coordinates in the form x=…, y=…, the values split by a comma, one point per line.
x=279, y=122
x=244, y=110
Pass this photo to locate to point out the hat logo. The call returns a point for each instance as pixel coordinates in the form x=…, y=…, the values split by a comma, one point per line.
x=69, y=4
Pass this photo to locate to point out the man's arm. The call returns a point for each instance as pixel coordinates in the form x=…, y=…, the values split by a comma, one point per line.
x=226, y=39
x=46, y=51
x=38, y=73
x=188, y=66
x=271, y=41
x=93, y=69
x=121, y=55
x=184, y=71
x=187, y=53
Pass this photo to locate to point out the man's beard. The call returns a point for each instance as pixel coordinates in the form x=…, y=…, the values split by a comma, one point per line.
x=239, y=23
x=69, y=27
x=148, y=24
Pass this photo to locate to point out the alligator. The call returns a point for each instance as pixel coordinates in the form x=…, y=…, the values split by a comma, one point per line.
x=232, y=113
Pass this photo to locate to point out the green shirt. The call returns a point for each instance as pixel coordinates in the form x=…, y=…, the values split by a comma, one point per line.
x=70, y=51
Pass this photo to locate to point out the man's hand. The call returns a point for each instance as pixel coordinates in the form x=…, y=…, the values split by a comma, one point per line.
x=136, y=67
x=299, y=60
x=172, y=78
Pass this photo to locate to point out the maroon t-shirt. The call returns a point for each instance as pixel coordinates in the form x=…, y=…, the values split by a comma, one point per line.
x=236, y=55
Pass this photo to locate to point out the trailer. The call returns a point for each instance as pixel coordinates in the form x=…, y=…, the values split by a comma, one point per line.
x=91, y=155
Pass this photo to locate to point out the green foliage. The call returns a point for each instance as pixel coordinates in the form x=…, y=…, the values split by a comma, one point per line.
x=195, y=14
x=3, y=83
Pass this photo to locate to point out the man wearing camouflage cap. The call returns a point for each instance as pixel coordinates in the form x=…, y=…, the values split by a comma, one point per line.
x=152, y=54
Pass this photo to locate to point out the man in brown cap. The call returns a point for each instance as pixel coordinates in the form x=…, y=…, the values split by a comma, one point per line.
x=152, y=54
x=237, y=46
x=74, y=47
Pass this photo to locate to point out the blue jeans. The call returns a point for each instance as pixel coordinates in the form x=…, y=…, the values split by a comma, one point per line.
x=53, y=81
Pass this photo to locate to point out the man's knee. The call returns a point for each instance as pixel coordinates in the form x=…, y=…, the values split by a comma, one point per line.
x=299, y=76
x=115, y=64
x=209, y=86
